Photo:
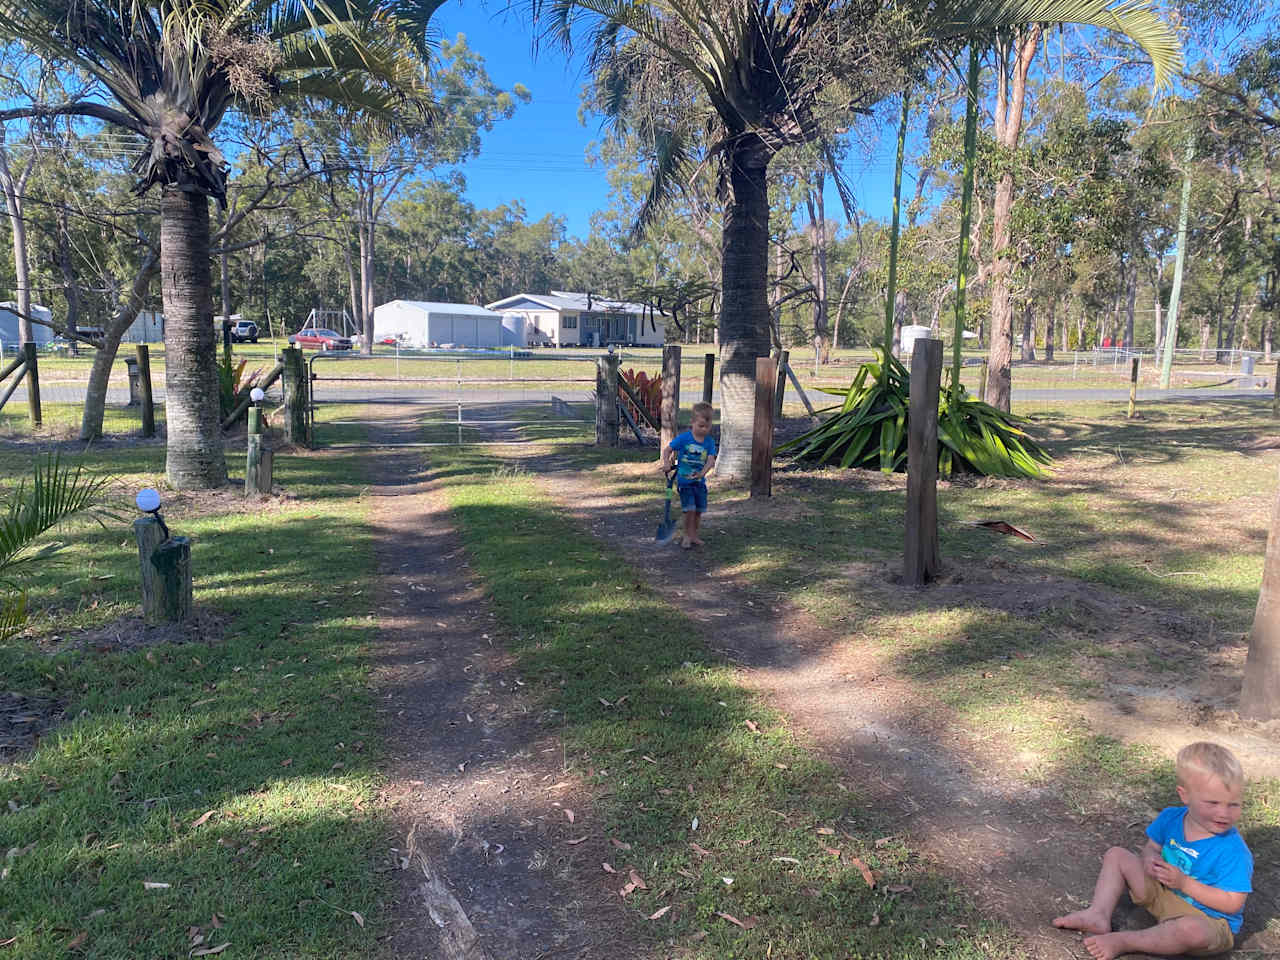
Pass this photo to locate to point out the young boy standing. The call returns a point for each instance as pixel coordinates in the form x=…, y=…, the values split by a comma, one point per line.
x=694, y=453
x=1193, y=875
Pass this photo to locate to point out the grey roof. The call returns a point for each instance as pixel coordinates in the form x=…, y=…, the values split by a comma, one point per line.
x=432, y=306
x=566, y=300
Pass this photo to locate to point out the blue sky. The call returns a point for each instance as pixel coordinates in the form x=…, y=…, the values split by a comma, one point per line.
x=539, y=156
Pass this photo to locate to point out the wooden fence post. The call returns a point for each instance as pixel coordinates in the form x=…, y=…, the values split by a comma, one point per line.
x=296, y=395
x=762, y=428
x=708, y=376
x=258, y=457
x=145, y=394
x=670, y=396
x=607, y=400
x=784, y=364
x=1133, y=388
x=166, y=573
x=922, y=559
x=33, y=383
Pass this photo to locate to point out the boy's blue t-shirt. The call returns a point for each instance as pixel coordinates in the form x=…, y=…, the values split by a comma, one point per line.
x=1221, y=861
x=691, y=454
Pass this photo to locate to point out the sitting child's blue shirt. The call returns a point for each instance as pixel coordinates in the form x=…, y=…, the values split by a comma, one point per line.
x=1222, y=861
x=692, y=455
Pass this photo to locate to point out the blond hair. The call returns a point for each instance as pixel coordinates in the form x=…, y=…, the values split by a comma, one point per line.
x=701, y=409
x=1212, y=759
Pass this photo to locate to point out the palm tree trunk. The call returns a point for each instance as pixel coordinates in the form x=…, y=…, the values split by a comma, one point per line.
x=1260, y=698
x=744, y=305
x=1011, y=99
x=195, y=458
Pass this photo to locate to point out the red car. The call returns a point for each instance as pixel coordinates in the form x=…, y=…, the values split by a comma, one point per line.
x=321, y=339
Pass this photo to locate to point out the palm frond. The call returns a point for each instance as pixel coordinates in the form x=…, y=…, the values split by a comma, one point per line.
x=672, y=163
x=55, y=494
x=1136, y=19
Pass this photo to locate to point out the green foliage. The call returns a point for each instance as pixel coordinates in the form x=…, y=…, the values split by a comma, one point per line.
x=55, y=494
x=233, y=385
x=870, y=430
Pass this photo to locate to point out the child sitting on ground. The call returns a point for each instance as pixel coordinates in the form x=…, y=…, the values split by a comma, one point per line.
x=1193, y=875
x=694, y=452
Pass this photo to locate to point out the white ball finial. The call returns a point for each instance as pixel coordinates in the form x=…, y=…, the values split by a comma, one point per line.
x=147, y=500
x=256, y=395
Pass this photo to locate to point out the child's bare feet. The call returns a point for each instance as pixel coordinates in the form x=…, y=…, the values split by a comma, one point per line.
x=696, y=541
x=687, y=543
x=1084, y=920
x=1107, y=946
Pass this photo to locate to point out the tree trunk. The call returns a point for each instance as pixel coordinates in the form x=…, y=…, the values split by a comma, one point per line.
x=1049, y=332
x=194, y=455
x=1129, y=307
x=70, y=282
x=1231, y=330
x=966, y=220
x=1204, y=339
x=125, y=312
x=1260, y=698
x=818, y=223
x=1266, y=337
x=1027, y=352
x=744, y=306
x=1011, y=98
x=895, y=231
x=14, y=188
x=1155, y=297
x=1175, y=292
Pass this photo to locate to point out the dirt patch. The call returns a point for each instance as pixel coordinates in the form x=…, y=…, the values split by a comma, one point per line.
x=132, y=633
x=24, y=720
x=475, y=766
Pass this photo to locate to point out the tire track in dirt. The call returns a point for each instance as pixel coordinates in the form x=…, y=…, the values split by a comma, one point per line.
x=1021, y=852
x=477, y=789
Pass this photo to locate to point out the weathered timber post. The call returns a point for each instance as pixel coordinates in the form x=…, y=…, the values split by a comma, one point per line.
x=258, y=462
x=670, y=395
x=762, y=428
x=145, y=395
x=607, y=400
x=131, y=371
x=922, y=559
x=166, y=572
x=784, y=364
x=297, y=392
x=33, y=383
x=708, y=376
x=1133, y=388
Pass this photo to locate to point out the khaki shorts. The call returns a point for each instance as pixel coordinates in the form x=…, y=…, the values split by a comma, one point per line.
x=1163, y=904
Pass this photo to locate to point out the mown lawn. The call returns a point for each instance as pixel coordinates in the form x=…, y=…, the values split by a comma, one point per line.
x=204, y=793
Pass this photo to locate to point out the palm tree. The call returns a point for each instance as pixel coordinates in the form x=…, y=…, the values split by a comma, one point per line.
x=170, y=71
x=752, y=77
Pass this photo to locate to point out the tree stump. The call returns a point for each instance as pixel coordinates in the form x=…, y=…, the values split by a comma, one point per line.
x=258, y=458
x=166, y=573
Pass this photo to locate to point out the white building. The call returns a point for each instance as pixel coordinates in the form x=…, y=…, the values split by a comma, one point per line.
x=9, y=324
x=423, y=324
x=565, y=319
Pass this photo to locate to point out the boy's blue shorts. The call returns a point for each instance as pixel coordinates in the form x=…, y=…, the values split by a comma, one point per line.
x=693, y=496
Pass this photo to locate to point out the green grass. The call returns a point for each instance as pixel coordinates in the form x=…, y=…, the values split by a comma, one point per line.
x=271, y=728
x=1162, y=522
x=59, y=420
x=673, y=744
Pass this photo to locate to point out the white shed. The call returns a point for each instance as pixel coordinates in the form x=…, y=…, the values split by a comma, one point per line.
x=147, y=327
x=424, y=324
x=9, y=324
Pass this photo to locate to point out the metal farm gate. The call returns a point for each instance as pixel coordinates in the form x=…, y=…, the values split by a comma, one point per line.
x=450, y=397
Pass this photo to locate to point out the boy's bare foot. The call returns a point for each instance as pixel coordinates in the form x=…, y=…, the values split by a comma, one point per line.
x=1086, y=921
x=696, y=541
x=687, y=543
x=1107, y=946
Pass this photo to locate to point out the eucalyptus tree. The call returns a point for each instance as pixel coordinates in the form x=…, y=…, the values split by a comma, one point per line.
x=169, y=72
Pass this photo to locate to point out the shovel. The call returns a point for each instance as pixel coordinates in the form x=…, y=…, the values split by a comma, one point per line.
x=667, y=528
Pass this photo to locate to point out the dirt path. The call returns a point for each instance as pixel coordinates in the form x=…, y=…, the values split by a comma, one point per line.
x=1023, y=852
x=477, y=787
